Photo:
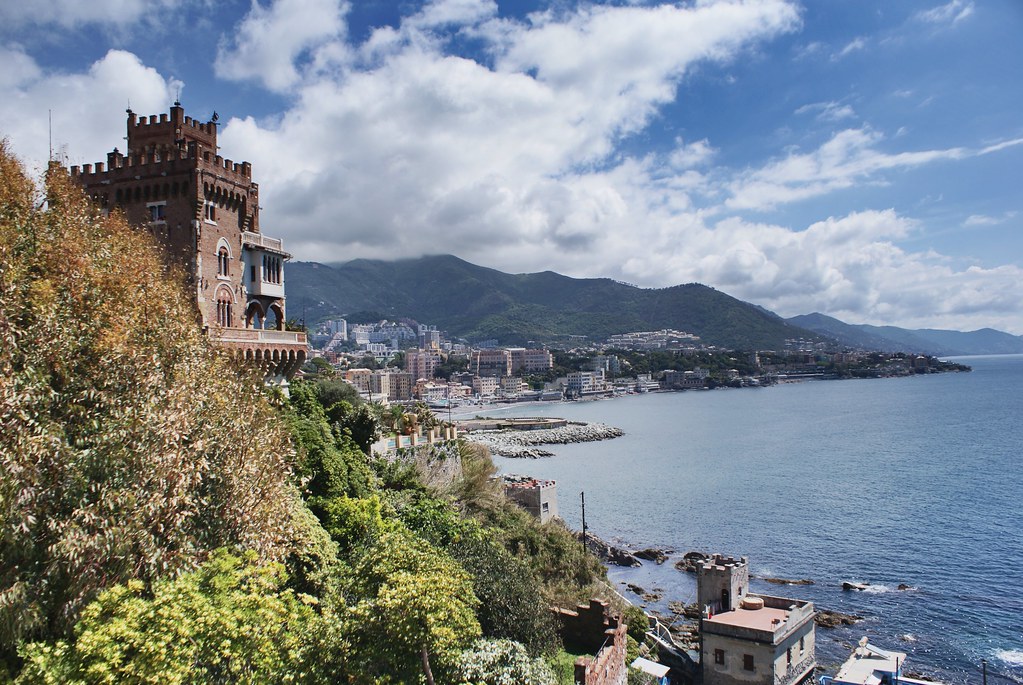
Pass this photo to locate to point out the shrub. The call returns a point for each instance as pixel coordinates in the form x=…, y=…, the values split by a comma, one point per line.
x=231, y=620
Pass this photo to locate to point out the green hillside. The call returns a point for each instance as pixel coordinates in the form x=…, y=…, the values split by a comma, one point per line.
x=478, y=303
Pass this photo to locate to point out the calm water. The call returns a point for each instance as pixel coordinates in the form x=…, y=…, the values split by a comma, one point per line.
x=909, y=480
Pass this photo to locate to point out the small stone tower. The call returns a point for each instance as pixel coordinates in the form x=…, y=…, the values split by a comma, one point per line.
x=721, y=583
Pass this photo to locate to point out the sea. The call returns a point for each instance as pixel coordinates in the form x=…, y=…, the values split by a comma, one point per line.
x=913, y=481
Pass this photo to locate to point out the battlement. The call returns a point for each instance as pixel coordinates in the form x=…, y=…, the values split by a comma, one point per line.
x=159, y=139
x=722, y=582
x=161, y=161
x=720, y=563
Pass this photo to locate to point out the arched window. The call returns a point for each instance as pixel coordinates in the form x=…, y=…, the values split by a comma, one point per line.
x=224, y=309
x=223, y=262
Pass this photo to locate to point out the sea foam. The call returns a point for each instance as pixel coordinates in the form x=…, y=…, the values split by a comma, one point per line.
x=1012, y=657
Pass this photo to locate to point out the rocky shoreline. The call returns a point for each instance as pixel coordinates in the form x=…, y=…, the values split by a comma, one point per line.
x=527, y=443
x=611, y=555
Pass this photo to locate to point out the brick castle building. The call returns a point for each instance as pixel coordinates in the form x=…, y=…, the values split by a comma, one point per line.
x=204, y=210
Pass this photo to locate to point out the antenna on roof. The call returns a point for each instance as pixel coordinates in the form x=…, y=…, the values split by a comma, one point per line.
x=177, y=97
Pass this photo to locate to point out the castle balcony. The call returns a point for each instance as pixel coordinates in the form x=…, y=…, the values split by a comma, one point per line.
x=278, y=353
x=252, y=240
x=264, y=259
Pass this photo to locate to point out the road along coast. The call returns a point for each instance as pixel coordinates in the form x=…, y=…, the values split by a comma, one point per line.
x=518, y=443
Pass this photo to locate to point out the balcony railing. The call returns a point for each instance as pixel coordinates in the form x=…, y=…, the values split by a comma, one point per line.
x=252, y=239
x=258, y=335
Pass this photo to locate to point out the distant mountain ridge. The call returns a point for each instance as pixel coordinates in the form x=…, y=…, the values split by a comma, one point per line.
x=479, y=303
x=925, y=340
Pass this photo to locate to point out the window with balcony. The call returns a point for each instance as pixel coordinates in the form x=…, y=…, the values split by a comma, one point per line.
x=272, y=271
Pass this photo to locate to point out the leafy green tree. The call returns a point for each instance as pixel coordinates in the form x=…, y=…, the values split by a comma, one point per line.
x=357, y=422
x=329, y=462
x=502, y=662
x=512, y=603
x=415, y=611
x=130, y=448
x=318, y=366
x=455, y=363
x=332, y=390
x=232, y=620
x=368, y=361
x=354, y=524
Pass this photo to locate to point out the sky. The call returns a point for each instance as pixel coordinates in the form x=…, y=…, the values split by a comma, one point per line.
x=859, y=158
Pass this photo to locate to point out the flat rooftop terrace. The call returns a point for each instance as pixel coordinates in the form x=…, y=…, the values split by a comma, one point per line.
x=765, y=619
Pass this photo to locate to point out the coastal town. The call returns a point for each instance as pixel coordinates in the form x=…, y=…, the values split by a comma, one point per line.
x=406, y=361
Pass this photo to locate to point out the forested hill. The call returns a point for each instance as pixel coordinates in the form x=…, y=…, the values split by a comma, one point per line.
x=479, y=303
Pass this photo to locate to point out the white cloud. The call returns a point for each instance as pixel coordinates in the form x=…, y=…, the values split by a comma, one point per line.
x=855, y=45
x=828, y=111
x=441, y=13
x=975, y=220
x=952, y=12
x=87, y=109
x=997, y=147
x=848, y=158
x=19, y=68
x=425, y=148
x=74, y=13
x=274, y=45
x=687, y=156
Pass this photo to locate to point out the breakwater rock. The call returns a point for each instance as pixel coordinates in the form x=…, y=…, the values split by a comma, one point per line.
x=527, y=443
x=826, y=618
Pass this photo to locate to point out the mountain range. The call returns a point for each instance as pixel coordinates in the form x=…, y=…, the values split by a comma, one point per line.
x=936, y=342
x=479, y=303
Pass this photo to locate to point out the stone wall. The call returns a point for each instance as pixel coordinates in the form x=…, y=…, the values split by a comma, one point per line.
x=608, y=666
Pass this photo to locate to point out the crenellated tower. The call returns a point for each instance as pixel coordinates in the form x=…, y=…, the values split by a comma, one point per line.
x=204, y=210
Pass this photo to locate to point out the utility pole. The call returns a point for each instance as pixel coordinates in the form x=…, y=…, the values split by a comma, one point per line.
x=582, y=496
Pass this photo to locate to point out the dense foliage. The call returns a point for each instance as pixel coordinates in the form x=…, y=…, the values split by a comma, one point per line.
x=232, y=620
x=128, y=449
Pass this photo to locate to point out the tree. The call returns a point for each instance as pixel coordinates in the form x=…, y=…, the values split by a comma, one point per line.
x=232, y=620
x=329, y=391
x=502, y=662
x=318, y=366
x=512, y=602
x=415, y=611
x=357, y=422
x=130, y=447
x=329, y=462
x=368, y=361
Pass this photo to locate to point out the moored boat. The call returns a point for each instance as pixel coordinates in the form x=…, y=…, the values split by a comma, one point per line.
x=870, y=665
